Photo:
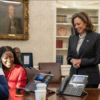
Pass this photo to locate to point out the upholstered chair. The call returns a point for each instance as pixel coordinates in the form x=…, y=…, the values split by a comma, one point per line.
x=55, y=69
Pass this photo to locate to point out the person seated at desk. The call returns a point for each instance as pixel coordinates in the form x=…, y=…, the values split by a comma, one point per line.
x=4, y=90
x=18, y=53
x=14, y=72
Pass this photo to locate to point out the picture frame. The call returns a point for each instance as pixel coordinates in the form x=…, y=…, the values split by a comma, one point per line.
x=27, y=60
x=16, y=28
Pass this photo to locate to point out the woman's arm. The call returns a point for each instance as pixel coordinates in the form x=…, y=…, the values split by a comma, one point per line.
x=22, y=79
x=4, y=89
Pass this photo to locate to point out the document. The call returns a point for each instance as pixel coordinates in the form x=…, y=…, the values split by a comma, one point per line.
x=26, y=59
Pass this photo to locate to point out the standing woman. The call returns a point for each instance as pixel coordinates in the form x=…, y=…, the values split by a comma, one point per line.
x=84, y=49
x=13, y=70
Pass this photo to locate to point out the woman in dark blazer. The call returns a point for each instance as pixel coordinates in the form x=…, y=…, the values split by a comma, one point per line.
x=84, y=49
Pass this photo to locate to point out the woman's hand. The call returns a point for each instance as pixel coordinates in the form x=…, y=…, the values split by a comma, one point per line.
x=76, y=62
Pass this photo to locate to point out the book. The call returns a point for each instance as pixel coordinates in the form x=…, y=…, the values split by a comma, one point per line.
x=65, y=18
x=58, y=18
x=59, y=43
x=94, y=19
x=59, y=59
x=69, y=17
x=61, y=18
x=72, y=31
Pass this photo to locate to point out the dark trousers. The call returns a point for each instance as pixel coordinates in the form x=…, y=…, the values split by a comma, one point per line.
x=92, y=86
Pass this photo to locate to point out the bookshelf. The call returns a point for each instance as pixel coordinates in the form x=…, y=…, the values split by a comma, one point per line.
x=69, y=11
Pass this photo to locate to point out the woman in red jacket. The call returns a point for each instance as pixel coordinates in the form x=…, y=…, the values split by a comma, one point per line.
x=14, y=72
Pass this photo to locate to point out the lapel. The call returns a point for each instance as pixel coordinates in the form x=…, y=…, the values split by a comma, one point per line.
x=75, y=44
x=86, y=41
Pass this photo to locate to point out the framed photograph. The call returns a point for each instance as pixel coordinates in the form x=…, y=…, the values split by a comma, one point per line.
x=27, y=59
x=14, y=19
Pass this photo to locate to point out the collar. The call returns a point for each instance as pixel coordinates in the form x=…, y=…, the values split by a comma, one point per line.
x=82, y=37
x=10, y=16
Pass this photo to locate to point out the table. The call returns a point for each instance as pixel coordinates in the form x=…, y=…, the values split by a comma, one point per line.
x=93, y=94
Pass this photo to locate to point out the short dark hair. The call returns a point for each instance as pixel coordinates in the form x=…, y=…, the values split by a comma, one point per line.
x=8, y=48
x=16, y=48
x=86, y=19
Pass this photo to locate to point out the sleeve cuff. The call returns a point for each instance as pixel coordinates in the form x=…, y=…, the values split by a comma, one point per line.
x=1, y=72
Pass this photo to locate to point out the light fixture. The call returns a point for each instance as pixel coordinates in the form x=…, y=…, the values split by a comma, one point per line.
x=11, y=2
x=64, y=7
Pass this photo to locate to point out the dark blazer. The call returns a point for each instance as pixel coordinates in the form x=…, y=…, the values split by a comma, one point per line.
x=89, y=54
x=4, y=89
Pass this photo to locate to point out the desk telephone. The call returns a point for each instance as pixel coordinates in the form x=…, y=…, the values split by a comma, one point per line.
x=73, y=86
x=39, y=78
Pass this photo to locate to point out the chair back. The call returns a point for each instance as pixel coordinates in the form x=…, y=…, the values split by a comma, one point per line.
x=55, y=69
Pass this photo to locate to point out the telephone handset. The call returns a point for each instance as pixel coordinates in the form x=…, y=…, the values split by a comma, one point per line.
x=64, y=83
x=39, y=78
x=73, y=85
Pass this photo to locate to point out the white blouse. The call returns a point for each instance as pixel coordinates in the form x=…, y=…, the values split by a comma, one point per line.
x=80, y=41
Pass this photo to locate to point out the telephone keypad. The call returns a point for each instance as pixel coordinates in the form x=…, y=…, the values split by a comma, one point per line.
x=73, y=90
x=32, y=85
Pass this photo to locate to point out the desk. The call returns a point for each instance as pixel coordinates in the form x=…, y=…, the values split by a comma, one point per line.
x=93, y=94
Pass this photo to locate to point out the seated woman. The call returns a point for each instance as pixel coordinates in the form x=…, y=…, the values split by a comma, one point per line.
x=14, y=72
x=4, y=90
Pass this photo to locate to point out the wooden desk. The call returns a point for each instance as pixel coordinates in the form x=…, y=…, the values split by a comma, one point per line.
x=93, y=94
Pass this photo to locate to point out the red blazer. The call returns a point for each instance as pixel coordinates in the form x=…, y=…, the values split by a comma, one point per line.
x=16, y=77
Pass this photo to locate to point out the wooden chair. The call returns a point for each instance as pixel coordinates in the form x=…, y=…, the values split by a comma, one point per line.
x=55, y=69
